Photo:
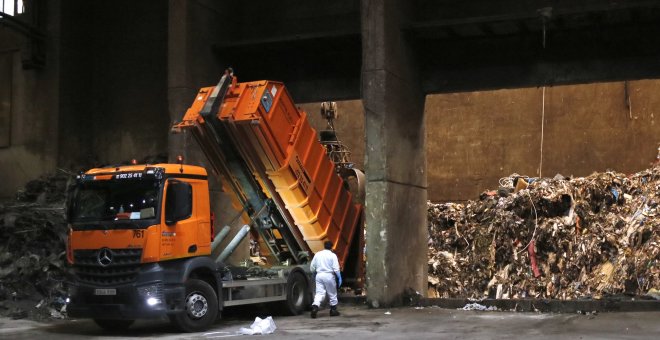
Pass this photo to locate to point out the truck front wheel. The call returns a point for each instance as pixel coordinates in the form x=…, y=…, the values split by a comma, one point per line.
x=201, y=307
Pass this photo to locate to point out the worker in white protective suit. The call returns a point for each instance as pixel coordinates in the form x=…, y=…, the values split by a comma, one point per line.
x=328, y=278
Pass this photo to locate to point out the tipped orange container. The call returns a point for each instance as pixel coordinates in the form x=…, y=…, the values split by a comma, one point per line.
x=277, y=141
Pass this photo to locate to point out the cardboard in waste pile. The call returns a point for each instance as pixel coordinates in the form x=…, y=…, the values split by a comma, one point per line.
x=556, y=238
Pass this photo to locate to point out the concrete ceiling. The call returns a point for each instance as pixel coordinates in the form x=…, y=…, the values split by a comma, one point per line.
x=513, y=43
x=315, y=47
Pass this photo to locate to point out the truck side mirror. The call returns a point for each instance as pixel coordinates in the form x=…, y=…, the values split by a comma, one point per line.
x=178, y=204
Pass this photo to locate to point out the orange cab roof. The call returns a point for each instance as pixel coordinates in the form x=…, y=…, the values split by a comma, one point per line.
x=169, y=169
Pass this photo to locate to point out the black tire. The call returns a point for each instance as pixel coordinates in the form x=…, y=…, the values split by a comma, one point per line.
x=352, y=184
x=297, y=295
x=328, y=136
x=114, y=325
x=201, y=307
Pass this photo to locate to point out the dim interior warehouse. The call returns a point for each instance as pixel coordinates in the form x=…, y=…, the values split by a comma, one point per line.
x=422, y=168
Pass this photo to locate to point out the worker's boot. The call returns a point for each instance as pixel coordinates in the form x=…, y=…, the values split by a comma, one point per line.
x=334, y=311
x=315, y=310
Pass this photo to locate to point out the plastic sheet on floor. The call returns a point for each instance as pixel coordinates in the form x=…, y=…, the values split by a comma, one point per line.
x=260, y=326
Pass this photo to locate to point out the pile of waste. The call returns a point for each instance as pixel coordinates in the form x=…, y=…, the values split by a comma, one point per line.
x=32, y=250
x=550, y=238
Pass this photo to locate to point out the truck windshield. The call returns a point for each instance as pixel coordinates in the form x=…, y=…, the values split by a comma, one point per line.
x=114, y=200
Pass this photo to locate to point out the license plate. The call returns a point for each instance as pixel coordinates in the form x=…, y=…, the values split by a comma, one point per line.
x=110, y=291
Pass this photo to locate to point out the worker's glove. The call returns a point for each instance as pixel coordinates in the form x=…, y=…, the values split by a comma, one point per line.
x=338, y=277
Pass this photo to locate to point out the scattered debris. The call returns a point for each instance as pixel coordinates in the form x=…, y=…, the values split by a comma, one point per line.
x=477, y=306
x=654, y=293
x=32, y=250
x=411, y=297
x=552, y=238
x=581, y=312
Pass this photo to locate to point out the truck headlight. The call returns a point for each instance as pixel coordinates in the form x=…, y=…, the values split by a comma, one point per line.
x=152, y=294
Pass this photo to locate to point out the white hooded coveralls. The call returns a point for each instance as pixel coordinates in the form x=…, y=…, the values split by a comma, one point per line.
x=325, y=264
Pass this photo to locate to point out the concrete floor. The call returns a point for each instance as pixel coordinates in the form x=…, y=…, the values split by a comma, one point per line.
x=364, y=323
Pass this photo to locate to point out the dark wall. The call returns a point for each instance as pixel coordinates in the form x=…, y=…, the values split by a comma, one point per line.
x=349, y=126
x=91, y=91
x=114, y=84
x=476, y=138
x=29, y=145
x=77, y=117
x=314, y=47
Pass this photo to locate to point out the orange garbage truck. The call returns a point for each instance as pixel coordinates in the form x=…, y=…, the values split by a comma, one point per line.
x=141, y=237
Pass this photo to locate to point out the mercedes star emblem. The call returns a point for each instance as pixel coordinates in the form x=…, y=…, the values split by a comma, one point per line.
x=105, y=257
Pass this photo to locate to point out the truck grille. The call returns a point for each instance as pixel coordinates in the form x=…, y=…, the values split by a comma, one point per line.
x=107, y=266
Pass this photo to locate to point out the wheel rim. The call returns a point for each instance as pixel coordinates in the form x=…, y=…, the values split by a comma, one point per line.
x=196, y=305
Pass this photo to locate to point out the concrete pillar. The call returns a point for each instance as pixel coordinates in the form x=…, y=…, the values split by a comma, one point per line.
x=395, y=159
x=180, y=90
x=194, y=26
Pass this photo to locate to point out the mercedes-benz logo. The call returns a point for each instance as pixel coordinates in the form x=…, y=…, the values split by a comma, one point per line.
x=104, y=257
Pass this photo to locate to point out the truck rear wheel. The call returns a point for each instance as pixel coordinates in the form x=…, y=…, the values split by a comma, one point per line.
x=201, y=307
x=114, y=325
x=297, y=295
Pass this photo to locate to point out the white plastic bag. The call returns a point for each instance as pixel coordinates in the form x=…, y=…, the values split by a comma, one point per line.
x=260, y=326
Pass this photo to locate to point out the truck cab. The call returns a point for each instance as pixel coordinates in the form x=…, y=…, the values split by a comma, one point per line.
x=137, y=233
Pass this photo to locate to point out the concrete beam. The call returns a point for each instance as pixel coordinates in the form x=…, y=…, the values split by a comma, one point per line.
x=617, y=44
x=395, y=158
x=476, y=10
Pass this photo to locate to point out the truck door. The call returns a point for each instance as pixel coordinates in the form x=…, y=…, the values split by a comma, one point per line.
x=179, y=233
